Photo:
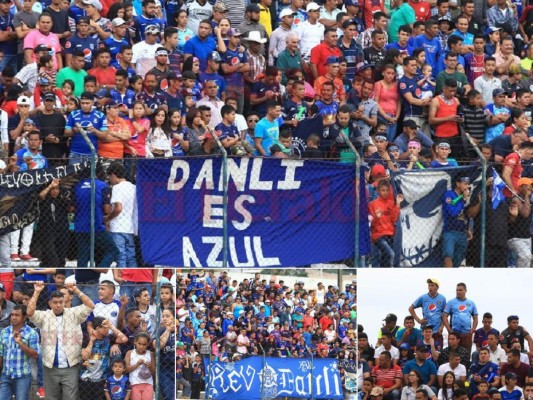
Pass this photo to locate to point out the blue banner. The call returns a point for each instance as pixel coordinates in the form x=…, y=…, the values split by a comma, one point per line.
x=281, y=377
x=280, y=212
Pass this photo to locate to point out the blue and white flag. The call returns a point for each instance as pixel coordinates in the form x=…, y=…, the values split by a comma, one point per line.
x=497, y=190
x=419, y=228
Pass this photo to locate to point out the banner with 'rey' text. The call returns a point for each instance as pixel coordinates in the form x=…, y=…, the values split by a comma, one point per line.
x=253, y=379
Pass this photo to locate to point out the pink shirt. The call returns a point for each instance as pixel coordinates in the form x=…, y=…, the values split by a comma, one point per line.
x=388, y=98
x=35, y=38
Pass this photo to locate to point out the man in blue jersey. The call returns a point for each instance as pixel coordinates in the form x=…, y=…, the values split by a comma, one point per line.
x=147, y=18
x=463, y=316
x=90, y=120
x=117, y=39
x=411, y=102
x=106, y=306
x=430, y=43
x=104, y=245
x=432, y=305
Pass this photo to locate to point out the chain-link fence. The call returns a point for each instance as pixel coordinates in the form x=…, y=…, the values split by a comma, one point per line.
x=190, y=212
x=98, y=338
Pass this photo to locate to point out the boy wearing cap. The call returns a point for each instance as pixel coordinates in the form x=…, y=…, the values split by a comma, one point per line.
x=498, y=114
x=455, y=218
x=278, y=39
x=310, y=32
x=100, y=29
x=211, y=74
x=332, y=70
x=117, y=39
x=513, y=82
x=235, y=65
x=144, y=51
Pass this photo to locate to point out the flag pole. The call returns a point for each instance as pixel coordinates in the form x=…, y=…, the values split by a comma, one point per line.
x=483, y=195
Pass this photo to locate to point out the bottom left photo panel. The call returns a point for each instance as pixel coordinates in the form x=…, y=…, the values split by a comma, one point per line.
x=87, y=334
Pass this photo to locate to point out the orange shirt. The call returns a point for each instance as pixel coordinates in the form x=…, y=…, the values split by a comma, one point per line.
x=446, y=108
x=384, y=214
x=113, y=149
x=337, y=83
x=104, y=76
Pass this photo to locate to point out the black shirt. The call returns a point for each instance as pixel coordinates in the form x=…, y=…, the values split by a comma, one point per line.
x=52, y=124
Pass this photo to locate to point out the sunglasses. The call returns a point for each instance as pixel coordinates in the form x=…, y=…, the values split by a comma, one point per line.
x=253, y=120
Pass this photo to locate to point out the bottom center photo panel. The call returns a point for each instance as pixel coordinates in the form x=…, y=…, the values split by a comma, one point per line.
x=266, y=334
x=437, y=334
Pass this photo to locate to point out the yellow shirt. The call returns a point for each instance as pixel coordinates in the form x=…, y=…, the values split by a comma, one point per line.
x=265, y=19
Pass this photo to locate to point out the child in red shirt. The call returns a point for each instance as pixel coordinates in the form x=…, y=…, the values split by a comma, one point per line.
x=383, y=214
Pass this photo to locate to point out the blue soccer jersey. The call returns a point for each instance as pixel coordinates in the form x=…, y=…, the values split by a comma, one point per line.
x=461, y=313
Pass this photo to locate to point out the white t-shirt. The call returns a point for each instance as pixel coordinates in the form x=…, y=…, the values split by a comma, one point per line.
x=144, y=57
x=459, y=371
x=395, y=353
x=126, y=221
x=310, y=36
x=197, y=13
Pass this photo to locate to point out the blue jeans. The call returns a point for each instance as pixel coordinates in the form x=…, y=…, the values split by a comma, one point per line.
x=105, y=251
x=167, y=388
x=20, y=387
x=391, y=128
x=40, y=372
x=384, y=245
x=9, y=60
x=454, y=245
x=76, y=158
x=126, y=249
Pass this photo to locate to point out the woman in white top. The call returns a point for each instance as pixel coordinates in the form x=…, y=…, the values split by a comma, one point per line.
x=330, y=334
x=448, y=386
x=414, y=384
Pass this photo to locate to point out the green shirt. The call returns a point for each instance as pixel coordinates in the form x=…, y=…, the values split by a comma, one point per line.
x=456, y=76
x=287, y=61
x=75, y=76
x=403, y=15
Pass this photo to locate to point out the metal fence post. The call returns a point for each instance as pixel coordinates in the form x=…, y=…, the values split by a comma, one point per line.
x=262, y=372
x=158, y=336
x=483, y=199
x=224, y=202
x=93, y=192
x=357, y=197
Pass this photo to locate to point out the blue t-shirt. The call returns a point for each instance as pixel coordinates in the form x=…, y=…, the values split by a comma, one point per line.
x=224, y=131
x=432, y=308
x=327, y=108
x=409, y=85
x=87, y=46
x=453, y=213
x=450, y=162
x=494, y=131
x=140, y=24
x=461, y=313
x=127, y=98
x=114, y=47
x=117, y=388
x=200, y=48
x=8, y=47
x=407, y=50
x=76, y=12
x=39, y=160
x=94, y=118
x=153, y=101
x=82, y=194
x=426, y=370
x=204, y=77
x=269, y=132
x=432, y=48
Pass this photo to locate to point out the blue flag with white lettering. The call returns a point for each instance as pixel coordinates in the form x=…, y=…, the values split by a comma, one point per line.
x=280, y=212
x=251, y=379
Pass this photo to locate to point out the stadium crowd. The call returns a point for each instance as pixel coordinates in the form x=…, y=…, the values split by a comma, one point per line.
x=410, y=362
x=399, y=80
x=225, y=319
x=88, y=334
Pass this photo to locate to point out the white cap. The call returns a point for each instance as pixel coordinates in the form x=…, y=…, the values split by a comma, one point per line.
x=118, y=22
x=95, y=3
x=23, y=100
x=2, y=164
x=312, y=7
x=286, y=12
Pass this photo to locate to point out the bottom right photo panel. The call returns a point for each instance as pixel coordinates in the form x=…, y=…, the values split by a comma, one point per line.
x=458, y=334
